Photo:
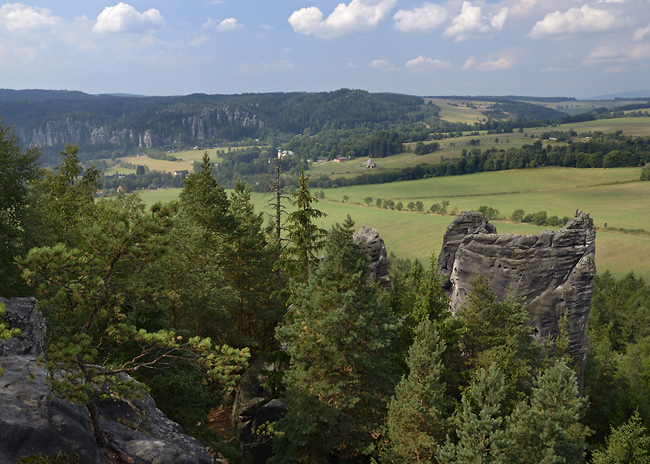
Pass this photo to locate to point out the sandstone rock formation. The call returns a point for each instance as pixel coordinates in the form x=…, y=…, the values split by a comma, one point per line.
x=552, y=272
x=371, y=243
x=33, y=422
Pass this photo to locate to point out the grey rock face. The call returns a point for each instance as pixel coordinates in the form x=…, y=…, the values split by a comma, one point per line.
x=552, y=272
x=371, y=243
x=35, y=422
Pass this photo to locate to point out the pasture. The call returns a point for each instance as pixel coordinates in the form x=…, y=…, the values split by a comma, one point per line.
x=611, y=196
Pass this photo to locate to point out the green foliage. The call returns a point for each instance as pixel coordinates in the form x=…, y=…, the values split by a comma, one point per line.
x=65, y=198
x=489, y=212
x=497, y=332
x=645, y=172
x=627, y=444
x=98, y=300
x=5, y=331
x=340, y=337
x=18, y=168
x=517, y=215
x=546, y=428
x=304, y=235
x=479, y=424
x=205, y=200
x=417, y=423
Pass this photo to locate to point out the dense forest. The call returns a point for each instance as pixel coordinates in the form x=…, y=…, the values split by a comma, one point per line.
x=184, y=295
x=352, y=123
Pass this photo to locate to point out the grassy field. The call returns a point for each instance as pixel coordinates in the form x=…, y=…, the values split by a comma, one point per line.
x=185, y=161
x=611, y=196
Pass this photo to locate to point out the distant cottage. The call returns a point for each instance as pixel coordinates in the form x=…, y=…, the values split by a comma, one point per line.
x=339, y=159
x=183, y=173
x=370, y=164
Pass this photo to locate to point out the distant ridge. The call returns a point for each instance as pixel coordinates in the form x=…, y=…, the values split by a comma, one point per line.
x=41, y=94
x=632, y=94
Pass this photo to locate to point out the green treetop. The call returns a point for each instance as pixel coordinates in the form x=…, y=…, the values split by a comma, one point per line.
x=339, y=336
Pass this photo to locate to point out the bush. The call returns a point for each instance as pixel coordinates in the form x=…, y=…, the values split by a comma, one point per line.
x=645, y=172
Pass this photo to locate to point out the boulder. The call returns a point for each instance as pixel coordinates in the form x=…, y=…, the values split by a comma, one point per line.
x=552, y=272
x=372, y=244
x=34, y=422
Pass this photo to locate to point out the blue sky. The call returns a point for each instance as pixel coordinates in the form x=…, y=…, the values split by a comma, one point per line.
x=578, y=48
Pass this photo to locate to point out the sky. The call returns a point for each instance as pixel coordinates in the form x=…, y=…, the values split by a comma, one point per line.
x=574, y=48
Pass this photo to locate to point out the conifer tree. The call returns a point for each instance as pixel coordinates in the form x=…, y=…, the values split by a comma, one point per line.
x=416, y=423
x=339, y=337
x=206, y=201
x=305, y=237
x=546, y=428
x=497, y=332
x=627, y=444
x=479, y=423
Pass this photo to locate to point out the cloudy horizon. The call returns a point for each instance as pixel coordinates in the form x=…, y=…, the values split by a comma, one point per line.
x=485, y=47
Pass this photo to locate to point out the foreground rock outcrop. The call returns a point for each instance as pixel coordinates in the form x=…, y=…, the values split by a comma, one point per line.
x=35, y=422
x=553, y=272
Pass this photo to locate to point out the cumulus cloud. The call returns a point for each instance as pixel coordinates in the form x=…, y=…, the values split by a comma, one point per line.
x=357, y=16
x=228, y=24
x=500, y=62
x=575, y=20
x=383, y=65
x=124, y=18
x=471, y=22
x=427, y=17
x=422, y=62
x=16, y=17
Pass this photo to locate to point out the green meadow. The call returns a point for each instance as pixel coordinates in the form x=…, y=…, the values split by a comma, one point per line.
x=612, y=196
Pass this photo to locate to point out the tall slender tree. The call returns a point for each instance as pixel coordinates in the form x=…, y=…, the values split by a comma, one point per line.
x=339, y=336
x=417, y=424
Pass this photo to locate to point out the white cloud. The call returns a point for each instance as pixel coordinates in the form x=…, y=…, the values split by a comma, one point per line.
x=427, y=17
x=504, y=60
x=575, y=20
x=16, y=17
x=641, y=34
x=422, y=62
x=617, y=54
x=357, y=16
x=470, y=63
x=471, y=22
x=124, y=18
x=228, y=24
x=383, y=65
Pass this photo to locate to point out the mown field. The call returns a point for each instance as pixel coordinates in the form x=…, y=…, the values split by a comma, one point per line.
x=185, y=160
x=612, y=196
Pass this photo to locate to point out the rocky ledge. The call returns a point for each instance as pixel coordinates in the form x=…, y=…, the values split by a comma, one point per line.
x=33, y=422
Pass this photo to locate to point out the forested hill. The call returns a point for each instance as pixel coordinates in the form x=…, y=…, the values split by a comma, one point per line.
x=112, y=126
x=105, y=124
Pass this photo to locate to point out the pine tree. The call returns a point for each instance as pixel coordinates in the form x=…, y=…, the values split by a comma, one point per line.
x=547, y=429
x=339, y=336
x=416, y=423
x=627, y=444
x=479, y=423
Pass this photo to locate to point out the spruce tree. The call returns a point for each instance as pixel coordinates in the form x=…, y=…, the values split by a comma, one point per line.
x=416, y=423
x=547, y=429
x=627, y=444
x=339, y=336
x=479, y=423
